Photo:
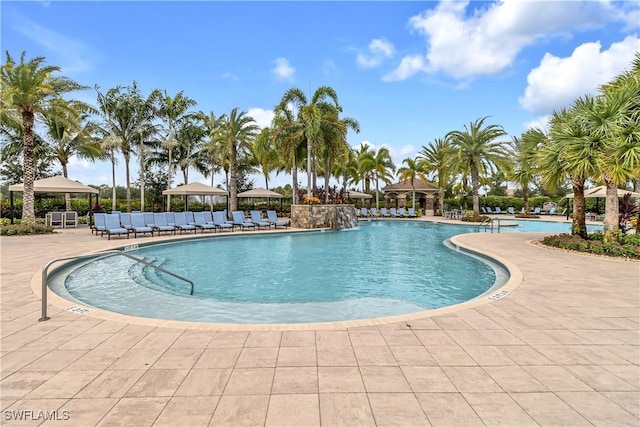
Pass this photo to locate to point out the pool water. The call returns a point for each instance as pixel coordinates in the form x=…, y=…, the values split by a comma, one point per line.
x=544, y=226
x=382, y=268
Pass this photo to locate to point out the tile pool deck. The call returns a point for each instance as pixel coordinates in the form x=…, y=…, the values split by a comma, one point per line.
x=562, y=348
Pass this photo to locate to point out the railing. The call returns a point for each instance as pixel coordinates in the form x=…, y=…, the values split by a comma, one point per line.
x=490, y=224
x=45, y=272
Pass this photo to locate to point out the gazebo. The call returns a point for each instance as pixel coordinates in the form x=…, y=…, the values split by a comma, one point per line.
x=425, y=193
x=261, y=193
x=195, y=189
x=54, y=184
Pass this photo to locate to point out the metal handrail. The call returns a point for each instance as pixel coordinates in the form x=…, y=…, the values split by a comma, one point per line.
x=488, y=223
x=45, y=272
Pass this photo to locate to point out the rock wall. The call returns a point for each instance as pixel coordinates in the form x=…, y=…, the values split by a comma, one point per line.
x=336, y=217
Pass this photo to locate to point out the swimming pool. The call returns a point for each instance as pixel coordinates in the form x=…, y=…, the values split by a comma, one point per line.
x=383, y=268
x=543, y=226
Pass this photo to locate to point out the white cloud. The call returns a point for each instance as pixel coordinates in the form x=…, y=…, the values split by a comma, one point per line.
x=557, y=82
x=379, y=50
x=230, y=76
x=283, y=69
x=262, y=117
x=487, y=40
x=72, y=56
x=541, y=122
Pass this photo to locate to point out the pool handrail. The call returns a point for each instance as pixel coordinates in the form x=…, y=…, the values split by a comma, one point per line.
x=45, y=272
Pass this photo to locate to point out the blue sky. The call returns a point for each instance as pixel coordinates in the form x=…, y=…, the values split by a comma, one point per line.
x=409, y=72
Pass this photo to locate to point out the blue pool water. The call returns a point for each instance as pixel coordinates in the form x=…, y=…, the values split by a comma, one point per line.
x=382, y=268
x=543, y=226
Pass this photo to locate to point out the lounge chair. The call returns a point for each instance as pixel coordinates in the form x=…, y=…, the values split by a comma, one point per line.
x=239, y=221
x=201, y=222
x=220, y=221
x=364, y=212
x=374, y=212
x=394, y=212
x=149, y=219
x=55, y=219
x=563, y=213
x=412, y=213
x=272, y=217
x=256, y=218
x=384, y=212
x=552, y=211
x=112, y=226
x=98, y=223
x=125, y=220
x=402, y=212
x=522, y=211
x=181, y=222
x=536, y=211
x=160, y=223
x=190, y=218
x=483, y=210
x=70, y=219
x=497, y=210
x=208, y=216
x=511, y=210
x=138, y=225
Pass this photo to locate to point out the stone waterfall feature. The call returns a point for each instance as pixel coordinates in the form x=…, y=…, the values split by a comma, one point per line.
x=335, y=217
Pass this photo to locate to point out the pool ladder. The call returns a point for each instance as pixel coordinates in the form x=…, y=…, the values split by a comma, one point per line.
x=488, y=224
x=45, y=272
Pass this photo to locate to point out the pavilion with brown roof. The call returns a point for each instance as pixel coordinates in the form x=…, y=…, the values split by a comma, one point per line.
x=396, y=195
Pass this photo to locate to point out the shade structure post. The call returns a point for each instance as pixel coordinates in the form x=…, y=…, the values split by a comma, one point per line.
x=11, y=205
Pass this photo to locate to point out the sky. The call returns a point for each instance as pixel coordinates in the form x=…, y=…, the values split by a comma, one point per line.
x=407, y=71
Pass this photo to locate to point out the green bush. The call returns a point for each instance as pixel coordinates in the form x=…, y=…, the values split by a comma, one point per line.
x=629, y=249
x=23, y=229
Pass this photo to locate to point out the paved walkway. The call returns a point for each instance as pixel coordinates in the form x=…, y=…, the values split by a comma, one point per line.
x=560, y=349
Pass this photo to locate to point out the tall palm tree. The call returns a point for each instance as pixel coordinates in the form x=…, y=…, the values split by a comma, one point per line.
x=172, y=110
x=212, y=150
x=310, y=117
x=413, y=169
x=288, y=135
x=146, y=136
x=366, y=165
x=120, y=107
x=334, y=134
x=237, y=132
x=438, y=158
x=265, y=154
x=71, y=134
x=525, y=169
x=27, y=88
x=381, y=167
x=568, y=138
x=477, y=147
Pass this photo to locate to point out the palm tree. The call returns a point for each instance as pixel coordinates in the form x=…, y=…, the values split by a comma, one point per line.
x=120, y=107
x=212, y=150
x=477, y=147
x=288, y=135
x=438, y=158
x=366, y=165
x=264, y=153
x=237, y=132
x=413, y=169
x=172, y=110
x=310, y=118
x=525, y=170
x=71, y=134
x=27, y=89
x=567, y=139
x=381, y=167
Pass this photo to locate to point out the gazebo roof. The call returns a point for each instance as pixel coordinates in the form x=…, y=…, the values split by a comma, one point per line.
x=195, y=189
x=260, y=193
x=405, y=185
x=56, y=184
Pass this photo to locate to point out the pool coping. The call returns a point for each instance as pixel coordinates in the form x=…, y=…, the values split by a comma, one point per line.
x=493, y=294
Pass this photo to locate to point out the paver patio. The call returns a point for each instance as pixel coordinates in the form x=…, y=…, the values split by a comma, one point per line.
x=560, y=349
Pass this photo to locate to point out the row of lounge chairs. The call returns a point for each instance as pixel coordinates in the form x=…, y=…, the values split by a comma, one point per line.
x=170, y=222
x=384, y=213
x=511, y=211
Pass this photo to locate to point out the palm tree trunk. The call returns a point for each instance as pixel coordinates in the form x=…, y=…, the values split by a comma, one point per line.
x=141, y=181
x=579, y=225
x=28, y=212
x=525, y=196
x=611, y=219
x=113, y=181
x=413, y=196
x=266, y=181
x=377, y=195
x=170, y=179
x=233, y=202
x=475, y=183
x=441, y=199
x=126, y=168
x=67, y=196
x=327, y=175
x=294, y=177
x=308, y=169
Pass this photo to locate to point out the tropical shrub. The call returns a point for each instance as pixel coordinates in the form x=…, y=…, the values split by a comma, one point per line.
x=629, y=246
x=24, y=229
